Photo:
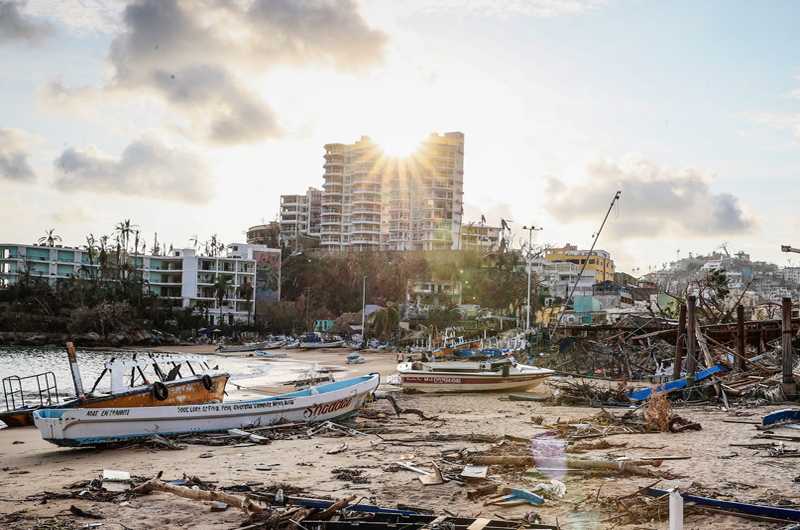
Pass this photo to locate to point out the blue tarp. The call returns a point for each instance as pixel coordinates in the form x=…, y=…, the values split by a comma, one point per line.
x=674, y=385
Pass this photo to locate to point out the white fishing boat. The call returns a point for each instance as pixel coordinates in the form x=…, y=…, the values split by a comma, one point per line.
x=253, y=346
x=464, y=376
x=316, y=345
x=80, y=427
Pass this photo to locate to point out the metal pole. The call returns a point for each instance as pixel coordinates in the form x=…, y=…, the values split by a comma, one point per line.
x=786, y=345
x=585, y=262
x=740, y=336
x=676, y=369
x=364, y=313
x=691, y=341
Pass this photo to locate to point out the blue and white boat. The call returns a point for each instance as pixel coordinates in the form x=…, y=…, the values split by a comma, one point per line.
x=79, y=427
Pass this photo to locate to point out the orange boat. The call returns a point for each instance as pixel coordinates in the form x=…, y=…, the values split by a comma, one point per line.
x=149, y=385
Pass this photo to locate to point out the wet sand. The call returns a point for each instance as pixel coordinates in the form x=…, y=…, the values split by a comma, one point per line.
x=34, y=466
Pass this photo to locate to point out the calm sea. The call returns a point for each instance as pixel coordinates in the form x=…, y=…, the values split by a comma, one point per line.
x=245, y=372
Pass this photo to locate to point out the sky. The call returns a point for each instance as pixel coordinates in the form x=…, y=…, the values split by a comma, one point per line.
x=192, y=117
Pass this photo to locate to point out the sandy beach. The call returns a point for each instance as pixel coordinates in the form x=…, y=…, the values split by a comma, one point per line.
x=31, y=466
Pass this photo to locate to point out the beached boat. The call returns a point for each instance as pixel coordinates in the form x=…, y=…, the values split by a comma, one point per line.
x=271, y=355
x=80, y=427
x=141, y=382
x=316, y=345
x=253, y=346
x=354, y=358
x=458, y=376
x=315, y=376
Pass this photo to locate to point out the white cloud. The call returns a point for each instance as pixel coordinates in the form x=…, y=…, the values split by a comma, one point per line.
x=794, y=94
x=656, y=202
x=14, y=153
x=18, y=27
x=147, y=167
x=507, y=8
x=74, y=214
x=203, y=57
x=80, y=17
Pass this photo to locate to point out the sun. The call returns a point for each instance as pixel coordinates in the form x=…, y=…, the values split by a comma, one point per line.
x=399, y=146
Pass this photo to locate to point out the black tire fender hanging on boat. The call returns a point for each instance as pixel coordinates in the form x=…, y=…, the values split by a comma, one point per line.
x=208, y=384
x=160, y=391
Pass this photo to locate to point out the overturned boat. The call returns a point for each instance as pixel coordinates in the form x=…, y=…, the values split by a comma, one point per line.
x=456, y=376
x=147, y=381
x=80, y=427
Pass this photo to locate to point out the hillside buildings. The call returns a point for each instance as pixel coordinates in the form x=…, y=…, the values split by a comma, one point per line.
x=183, y=276
x=374, y=201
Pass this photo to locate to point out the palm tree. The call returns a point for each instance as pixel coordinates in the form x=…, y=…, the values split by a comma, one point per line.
x=220, y=289
x=124, y=230
x=383, y=321
x=50, y=238
x=194, y=241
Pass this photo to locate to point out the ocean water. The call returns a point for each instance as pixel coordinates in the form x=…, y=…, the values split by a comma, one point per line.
x=246, y=372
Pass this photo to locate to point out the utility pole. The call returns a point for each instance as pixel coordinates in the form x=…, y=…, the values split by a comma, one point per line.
x=585, y=262
x=530, y=230
x=364, y=316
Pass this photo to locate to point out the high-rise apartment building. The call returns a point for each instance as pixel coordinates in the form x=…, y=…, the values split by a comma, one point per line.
x=375, y=201
x=300, y=216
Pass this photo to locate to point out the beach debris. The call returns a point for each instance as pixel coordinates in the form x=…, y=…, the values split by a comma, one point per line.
x=515, y=498
x=324, y=426
x=556, y=488
x=356, y=476
x=432, y=479
x=481, y=491
x=217, y=506
x=739, y=509
x=74, y=510
x=116, y=480
x=205, y=455
x=156, y=484
x=475, y=473
x=338, y=449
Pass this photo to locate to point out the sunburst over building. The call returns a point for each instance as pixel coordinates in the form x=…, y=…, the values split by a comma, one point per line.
x=377, y=199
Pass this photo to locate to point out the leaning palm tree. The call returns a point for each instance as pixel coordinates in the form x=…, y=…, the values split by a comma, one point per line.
x=50, y=238
x=383, y=321
x=220, y=289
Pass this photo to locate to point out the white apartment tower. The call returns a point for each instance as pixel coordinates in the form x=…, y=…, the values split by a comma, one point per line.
x=374, y=201
x=300, y=216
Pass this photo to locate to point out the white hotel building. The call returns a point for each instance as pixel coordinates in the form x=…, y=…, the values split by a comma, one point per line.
x=374, y=201
x=183, y=276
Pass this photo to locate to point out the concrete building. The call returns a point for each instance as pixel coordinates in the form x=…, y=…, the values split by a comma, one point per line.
x=182, y=276
x=374, y=201
x=300, y=217
x=481, y=238
x=599, y=263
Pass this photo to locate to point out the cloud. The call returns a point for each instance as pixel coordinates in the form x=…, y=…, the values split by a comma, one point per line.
x=147, y=168
x=512, y=8
x=16, y=27
x=14, y=165
x=656, y=202
x=195, y=55
x=74, y=214
x=794, y=94
x=780, y=121
x=80, y=17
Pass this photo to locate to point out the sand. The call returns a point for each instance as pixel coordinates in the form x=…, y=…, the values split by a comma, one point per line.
x=31, y=467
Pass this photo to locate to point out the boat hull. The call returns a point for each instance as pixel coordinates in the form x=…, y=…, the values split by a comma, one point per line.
x=178, y=393
x=470, y=376
x=459, y=382
x=81, y=427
